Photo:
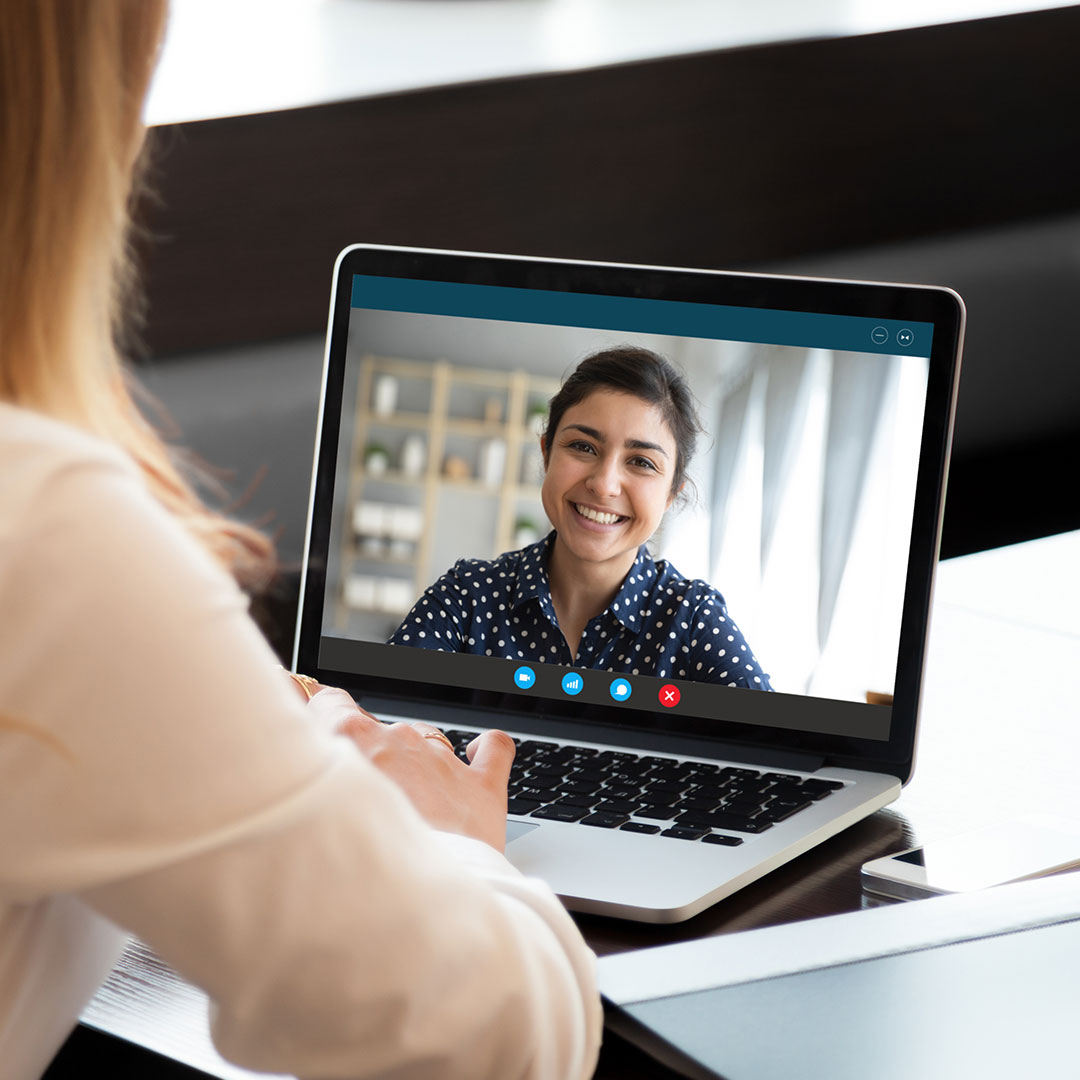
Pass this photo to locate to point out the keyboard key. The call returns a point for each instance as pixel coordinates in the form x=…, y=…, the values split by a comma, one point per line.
x=640, y=827
x=697, y=819
x=558, y=771
x=740, y=774
x=604, y=820
x=541, y=795
x=544, y=781
x=747, y=807
x=668, y=773
x=657, y=813
x=680, y=832
x=594, y=775
x=560, y=813
x=579, y=787
x=522, y=806
x=622, y=791
x=659, y=798
x=617, y=806
x=721, y=791
x=696, y=802
x=776, y=812
x=531, y=745
x=737, y=823
x=577, y=800
x=787, y=791
x=782, y=777
x=633, y=770
x=702, y=769
x=822, y=786
x=720, y=838
x=666, y=787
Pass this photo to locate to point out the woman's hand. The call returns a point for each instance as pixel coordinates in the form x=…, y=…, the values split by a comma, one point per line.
x=450, y=795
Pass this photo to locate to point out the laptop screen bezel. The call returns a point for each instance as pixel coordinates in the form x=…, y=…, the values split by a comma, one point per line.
x=927, y=304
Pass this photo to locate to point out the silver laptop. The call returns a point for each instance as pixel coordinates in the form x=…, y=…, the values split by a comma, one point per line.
x=709, y=648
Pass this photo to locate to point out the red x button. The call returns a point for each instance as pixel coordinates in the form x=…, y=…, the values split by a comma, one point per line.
x=669, y=696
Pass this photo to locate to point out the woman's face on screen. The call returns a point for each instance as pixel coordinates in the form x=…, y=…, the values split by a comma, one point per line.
x=608, y=475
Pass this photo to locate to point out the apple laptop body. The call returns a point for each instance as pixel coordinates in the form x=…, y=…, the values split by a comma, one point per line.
x=757, y=689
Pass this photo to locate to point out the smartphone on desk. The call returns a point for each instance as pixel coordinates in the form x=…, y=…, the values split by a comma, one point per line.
x=1027, y=847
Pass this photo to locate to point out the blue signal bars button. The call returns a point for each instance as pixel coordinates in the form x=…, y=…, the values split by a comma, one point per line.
x=572, y=683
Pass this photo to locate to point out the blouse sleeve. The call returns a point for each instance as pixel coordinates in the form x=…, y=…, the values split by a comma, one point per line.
x=718, y=652
x=439, y=619
x=162, y=770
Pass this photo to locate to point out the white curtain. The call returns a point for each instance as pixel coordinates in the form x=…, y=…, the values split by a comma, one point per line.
x=800, y=434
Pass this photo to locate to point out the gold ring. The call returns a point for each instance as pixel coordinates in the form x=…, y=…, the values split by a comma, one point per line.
x=440, y=736
x=306, y=683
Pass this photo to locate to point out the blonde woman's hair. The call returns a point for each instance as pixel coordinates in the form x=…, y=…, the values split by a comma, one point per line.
x=73, y=76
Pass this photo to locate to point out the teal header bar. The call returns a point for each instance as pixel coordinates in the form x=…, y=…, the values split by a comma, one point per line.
x=765, y=326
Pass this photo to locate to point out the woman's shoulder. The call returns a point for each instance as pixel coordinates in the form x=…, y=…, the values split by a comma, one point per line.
x=694, y=592
x=35, y=447
x=502, y=569
x=43, y=461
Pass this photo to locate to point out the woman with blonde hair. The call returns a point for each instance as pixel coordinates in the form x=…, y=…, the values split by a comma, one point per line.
x=334, y=884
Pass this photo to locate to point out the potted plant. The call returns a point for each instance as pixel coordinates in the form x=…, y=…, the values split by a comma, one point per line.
x=376, y=458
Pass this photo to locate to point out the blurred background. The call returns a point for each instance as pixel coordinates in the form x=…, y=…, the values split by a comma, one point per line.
x=859, y=139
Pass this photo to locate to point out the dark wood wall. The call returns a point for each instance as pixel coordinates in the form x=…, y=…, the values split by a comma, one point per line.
x=723, y=159
x=726, y=159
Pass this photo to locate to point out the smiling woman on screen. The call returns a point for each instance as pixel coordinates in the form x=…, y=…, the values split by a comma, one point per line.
x=619, y=438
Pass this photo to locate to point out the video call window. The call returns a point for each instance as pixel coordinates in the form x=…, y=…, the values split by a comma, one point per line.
x=789, y=537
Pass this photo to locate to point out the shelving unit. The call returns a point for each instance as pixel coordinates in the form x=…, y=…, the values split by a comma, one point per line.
x=457, y=410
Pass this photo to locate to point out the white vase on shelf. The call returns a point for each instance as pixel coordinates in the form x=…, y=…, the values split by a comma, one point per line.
x=385, y=397
x=492, y=462
x=414, y=456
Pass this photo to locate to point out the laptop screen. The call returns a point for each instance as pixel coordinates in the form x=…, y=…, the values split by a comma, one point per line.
x=616, y=502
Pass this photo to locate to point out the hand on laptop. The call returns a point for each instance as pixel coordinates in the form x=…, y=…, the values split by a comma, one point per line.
x=450, y=795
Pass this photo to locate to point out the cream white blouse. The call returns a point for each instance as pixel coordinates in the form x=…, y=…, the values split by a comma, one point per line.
x=159, y=777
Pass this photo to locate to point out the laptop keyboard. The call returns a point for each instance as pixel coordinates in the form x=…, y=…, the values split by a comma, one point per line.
x=613, y=789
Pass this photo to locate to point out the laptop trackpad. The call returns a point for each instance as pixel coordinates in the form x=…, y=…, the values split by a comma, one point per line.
x=516, y=829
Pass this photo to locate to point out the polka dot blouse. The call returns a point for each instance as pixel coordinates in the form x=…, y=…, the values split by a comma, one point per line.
x=659, y=623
